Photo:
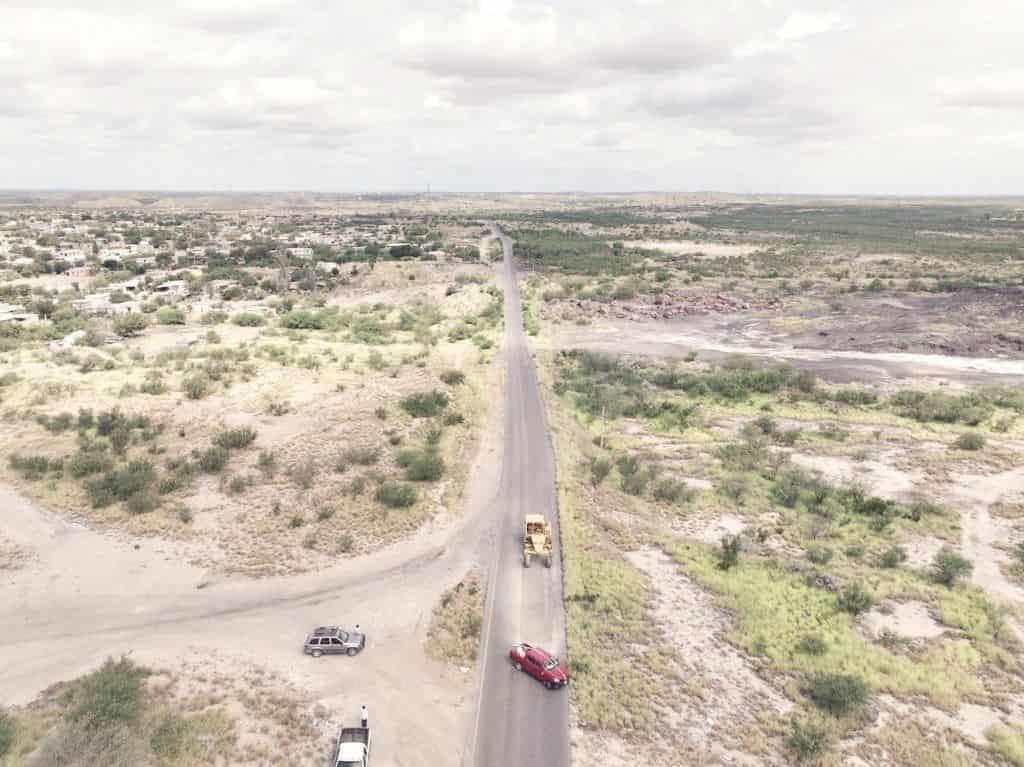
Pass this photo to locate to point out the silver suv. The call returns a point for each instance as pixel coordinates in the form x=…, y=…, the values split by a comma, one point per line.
x=331, y=639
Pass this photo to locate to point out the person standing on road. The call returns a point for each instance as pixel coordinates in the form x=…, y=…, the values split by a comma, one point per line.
x=364, y=715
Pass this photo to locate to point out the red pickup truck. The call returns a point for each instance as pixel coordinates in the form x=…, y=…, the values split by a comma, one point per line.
x=540, y=664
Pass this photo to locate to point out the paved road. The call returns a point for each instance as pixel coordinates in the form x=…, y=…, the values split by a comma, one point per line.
x=518, y=722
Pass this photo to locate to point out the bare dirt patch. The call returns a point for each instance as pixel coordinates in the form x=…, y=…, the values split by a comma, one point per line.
x=905, y=619
x=720, y=694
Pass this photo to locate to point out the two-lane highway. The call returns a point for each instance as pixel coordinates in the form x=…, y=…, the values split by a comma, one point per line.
x=518, y=722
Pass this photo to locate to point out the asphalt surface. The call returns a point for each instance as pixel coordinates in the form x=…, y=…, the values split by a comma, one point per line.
x=518, y=722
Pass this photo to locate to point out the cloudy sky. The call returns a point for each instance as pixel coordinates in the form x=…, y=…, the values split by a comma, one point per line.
x=861, y=96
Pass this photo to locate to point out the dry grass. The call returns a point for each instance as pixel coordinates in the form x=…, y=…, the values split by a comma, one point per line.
x=454, y=633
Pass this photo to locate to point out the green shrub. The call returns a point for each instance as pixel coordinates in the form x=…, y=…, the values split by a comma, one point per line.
x=170, y=315
x=130, y=324
x=248, y=319
x=453, y=419
x=110, y=695
x=453, y=377
x=267, y=462
x=142, y=502
x=807, y=740
x=213, y=459
x=734, y=486
x=7, y=728
x=838, y=693
x=819, y=555
x=672, y=491
x=121, y=484
x=424, y=466
x=34, y=466
x=729, y=553
x=196, y=385
x=971, y=440
x=426, y=404
x=600, y=468
x=894, y=556
x=235, y=439
x=395, y=495
x=303, y=320
x=854, y=598
x=812, y=644
x=154, y=384
x=358, y=456
x=948, y=567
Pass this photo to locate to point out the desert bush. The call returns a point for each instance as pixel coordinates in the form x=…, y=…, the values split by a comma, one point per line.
x=56, y=424
x=971, y=440
x=854, y=598
x=357, y=456
x=894, y=556
x=672, y=491
x=807, y=740
x=324, y=513
x=239, y=484
x=170, y=315
x=153, y=384
x=214, y=318
x=453, y=419
x=812, y=644
x=34, y=466
x=138, y=476
x=395, y=495
x=453, y=377
x=376, y=360
x=196, y=385
x=111, y=694
x=381, y=413
x=600, y=468
x=424, y=466
x=130, y=324
x=970, y=409
x=247, y=319
x=948, y=567
x=729, y=553
x=345, y=543
x=85, y=463
x=267, y=462
x=235, y=439
x=734, y=486
x=819, y=555
x=296, y=521
x=303, y=473
x=838, y=693
x=142, y=502
x=425, y=404
x=213, y=459
x=7, y=730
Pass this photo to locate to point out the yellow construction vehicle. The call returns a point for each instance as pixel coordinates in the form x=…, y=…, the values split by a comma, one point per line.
x=537, y=540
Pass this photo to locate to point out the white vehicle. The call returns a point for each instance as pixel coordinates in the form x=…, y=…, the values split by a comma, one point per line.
x=353, y=747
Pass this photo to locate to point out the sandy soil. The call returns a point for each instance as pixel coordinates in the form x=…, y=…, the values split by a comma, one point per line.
x=715, y=337
x=906, y=619
x=723, y=694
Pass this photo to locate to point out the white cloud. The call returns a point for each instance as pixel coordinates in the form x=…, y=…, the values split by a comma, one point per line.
x=524, y=94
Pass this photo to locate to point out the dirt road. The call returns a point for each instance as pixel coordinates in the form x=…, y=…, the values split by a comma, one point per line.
x=518, y=722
